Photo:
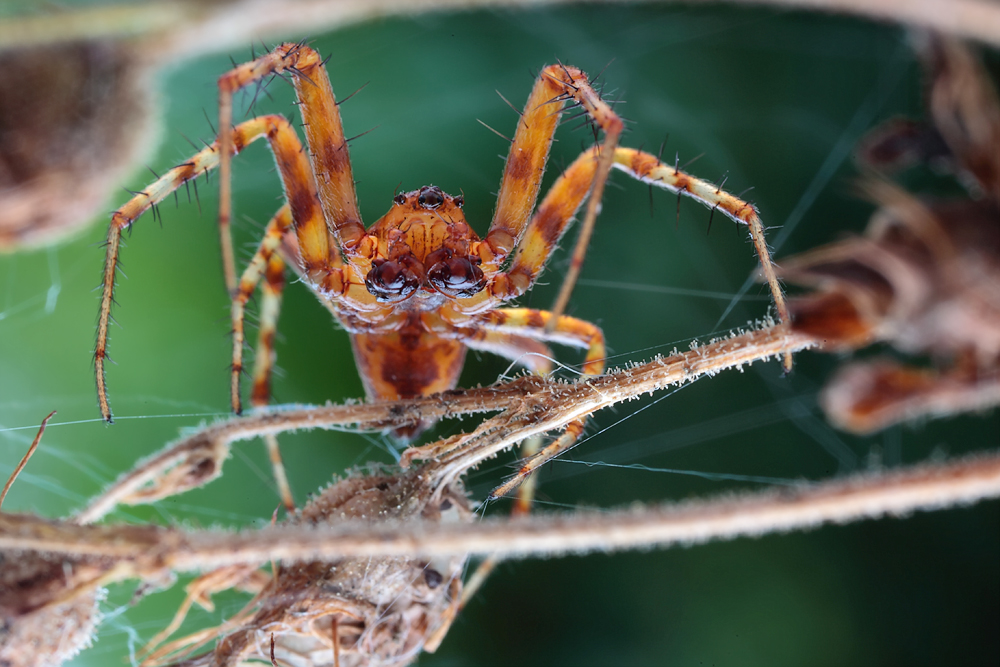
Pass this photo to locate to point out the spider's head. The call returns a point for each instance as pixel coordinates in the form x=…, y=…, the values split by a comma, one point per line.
x=424, y=243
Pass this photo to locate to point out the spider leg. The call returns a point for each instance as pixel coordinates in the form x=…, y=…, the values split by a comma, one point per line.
x=567, y=193
x=545, y=326
x=556, y=84
x=537, y=357
x=648, y=169
x=259, y=267
x=519, y=191
x=267, y=264
x=331, y=163
x=548, y=224
x=320, y=260
x=528, y=352
x=270, y=306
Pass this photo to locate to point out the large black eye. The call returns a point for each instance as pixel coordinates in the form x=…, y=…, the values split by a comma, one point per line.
x=391, y=281
x=430, y=197
x=456, y=277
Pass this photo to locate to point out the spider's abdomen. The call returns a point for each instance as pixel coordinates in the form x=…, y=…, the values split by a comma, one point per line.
x=407, y=363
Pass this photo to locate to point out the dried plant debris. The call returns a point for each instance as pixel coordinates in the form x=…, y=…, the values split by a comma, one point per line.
x=74, y=118
x=48, y=610
x=369, y=571
x=380, y=604
x=926, y=275
x=379, y=589
x=365, y=610
x=351, y=611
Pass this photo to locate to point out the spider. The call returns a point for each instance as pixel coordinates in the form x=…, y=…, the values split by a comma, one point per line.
x=419, y=287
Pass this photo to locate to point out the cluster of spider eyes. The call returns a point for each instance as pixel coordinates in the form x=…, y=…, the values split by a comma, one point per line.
x=393, y=280
x=429, y=198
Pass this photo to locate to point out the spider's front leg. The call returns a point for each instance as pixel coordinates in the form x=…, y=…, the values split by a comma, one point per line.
x=319, y=260
x=555, y=86
x=535, y=240
x=328, y=151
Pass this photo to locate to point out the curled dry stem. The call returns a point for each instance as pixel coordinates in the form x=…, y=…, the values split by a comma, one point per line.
x=528, y=406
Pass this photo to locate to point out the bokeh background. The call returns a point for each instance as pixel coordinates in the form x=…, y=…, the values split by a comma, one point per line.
x=774, y=100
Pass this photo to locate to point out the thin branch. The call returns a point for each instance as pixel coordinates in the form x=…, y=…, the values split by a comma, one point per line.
x=150, y=549
x=529, y=405
x=25, y=458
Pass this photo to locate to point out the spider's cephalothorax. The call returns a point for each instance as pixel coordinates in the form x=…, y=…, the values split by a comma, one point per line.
x=424, y=247
x=422, y=258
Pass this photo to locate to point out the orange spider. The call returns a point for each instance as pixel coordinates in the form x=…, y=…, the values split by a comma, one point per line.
x=419, y=287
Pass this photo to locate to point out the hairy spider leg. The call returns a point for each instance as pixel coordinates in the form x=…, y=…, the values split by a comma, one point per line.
x=317, y=255
x=565, y=330
x=270, y=307
x=566, y=195
x=324, y=135
x=648, y=169
x=613, y=126
x=529, y=151
x=553, y=217
x=562, y=329
x=258, y=268
x=537, y=357
x=267, y=264
x=528, y=352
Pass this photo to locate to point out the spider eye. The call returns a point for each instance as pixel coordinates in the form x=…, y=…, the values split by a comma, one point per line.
x=400, y=199
x=456, y=277
x=430, y=197
x=391, y=281
x=459, y=201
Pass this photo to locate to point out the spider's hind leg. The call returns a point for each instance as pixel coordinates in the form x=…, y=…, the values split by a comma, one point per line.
x=544, y=326
x=268, y=265
x=537, y=357
x=270, y=306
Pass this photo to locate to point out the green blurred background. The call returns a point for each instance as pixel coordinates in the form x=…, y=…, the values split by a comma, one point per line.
x=774, y=100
